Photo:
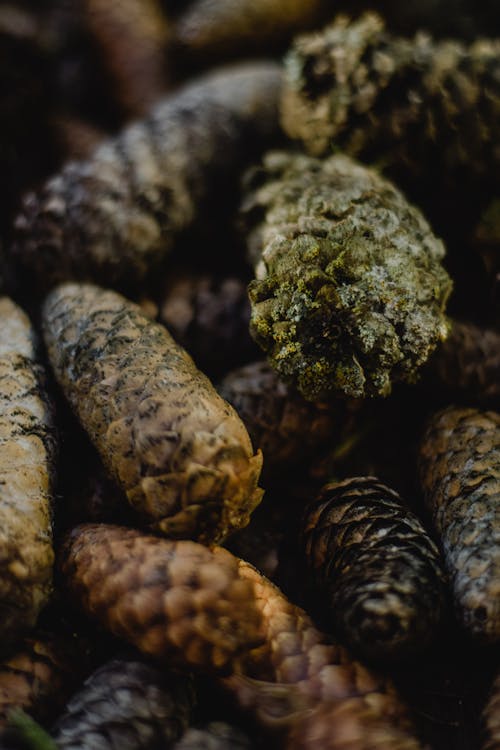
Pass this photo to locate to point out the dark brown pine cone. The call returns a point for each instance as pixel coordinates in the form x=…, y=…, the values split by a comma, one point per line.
x=460, y=476
x=126, y=705
x=375, y=567
x=215, y=736
x=491, y=718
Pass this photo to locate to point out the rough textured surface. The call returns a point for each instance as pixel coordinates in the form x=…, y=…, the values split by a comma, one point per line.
x=346, y=725
x=350, y=291
x=114, y=218
x=178, y=450
x=39, y=675
x=375, y=569
x=491, y=718
x=287, y=429
x=27, y=464
x=468, y=363
x=410, y=104
x=209, y=317
x=133, y=37
x=126, y=705
x=218, y=28
x=460, y=476
x=176, y=601
x=215, y=736
x=296, y=667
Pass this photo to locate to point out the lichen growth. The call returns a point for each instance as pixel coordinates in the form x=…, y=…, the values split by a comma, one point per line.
x=350, y=291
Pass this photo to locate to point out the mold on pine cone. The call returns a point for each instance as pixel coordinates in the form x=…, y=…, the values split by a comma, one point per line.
x=350, y=290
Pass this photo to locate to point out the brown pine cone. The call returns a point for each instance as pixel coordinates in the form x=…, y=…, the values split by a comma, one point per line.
x=27, y=474
x=39, y=676
x=209, y=317
x=132, y=36
x=176, y=601
x=467, y=363
x=491, y=718
x=179, y=451
x=287, y=429
x=375, y=568
x=113, y=218
x=460, y=476
x=126, y=705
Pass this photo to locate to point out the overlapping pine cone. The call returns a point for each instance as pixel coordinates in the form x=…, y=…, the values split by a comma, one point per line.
x=460, y=477
x=287, y=429
x=215, y=736
x=179, y=602
x=27, y=473
x=375, y=569
x=296, y=669
x=113, y=218
x=127, y=704
x=178, y=450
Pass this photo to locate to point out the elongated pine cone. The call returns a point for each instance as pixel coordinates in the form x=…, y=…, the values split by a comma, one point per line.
x=295, y=654
x=178, y=450
x=126, y=705
x=375, y=568
x=27, y=473
x=417, y=106
x=176, y=601
x=113, y=218
x=460, y=477
x=350, y=291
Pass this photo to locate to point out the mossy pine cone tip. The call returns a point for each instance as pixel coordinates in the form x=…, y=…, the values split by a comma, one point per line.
x=350, y=291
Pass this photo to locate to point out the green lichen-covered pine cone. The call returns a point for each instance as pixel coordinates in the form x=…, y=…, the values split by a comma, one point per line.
x=178, y=450
x=350, y=291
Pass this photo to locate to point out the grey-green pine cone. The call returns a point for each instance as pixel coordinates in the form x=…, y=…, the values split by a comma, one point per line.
x=380, y=572
x=413, y=105
x=460, y=477
x=126, y=705
x=350, y=291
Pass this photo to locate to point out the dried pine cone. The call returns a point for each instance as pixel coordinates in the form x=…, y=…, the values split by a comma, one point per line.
x=377, y=571
x=417, y=106
x=126, y=705
x=133, y=36
x=460, y=476
x=350, y=291
x=178, y=450
x=176, y=601
x=288, y=429
x=114, y=217
x=27, y=468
